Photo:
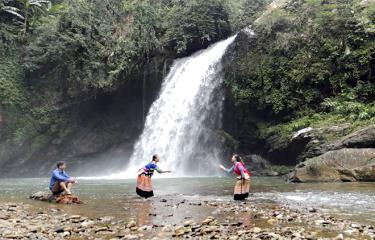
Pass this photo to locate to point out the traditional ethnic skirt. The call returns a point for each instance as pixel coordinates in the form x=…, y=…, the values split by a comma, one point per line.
x=144, y=186
x=241, y=189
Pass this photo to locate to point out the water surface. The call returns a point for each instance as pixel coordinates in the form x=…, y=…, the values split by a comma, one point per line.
x=355, y=201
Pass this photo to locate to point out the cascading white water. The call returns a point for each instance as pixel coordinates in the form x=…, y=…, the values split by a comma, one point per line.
x=180, y=122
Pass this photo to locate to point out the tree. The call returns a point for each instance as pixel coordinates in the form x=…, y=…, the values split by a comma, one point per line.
x=27, y=11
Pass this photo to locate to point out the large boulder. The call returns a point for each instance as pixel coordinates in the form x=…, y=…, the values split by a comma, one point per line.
x=362, y=138
x=347, y=164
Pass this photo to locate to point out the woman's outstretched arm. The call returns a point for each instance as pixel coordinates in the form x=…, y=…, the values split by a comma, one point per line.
x=228, y=170
x=161, y=171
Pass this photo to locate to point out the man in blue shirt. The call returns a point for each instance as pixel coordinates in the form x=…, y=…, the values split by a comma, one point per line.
x=61, y=182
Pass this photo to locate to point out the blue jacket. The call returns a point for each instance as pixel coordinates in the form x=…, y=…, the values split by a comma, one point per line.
x=58, y=176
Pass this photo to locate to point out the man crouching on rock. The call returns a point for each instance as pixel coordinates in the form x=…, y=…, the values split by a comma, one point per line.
x=60, y=182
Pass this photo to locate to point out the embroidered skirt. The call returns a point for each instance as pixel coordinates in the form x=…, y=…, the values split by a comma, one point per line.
x=241, y=189
x=144, y=186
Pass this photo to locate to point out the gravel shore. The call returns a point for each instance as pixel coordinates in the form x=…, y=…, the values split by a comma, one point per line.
x=229, y=220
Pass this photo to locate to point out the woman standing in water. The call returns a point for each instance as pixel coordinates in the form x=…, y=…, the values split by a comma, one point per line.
x=144, y=184
x=242, y=187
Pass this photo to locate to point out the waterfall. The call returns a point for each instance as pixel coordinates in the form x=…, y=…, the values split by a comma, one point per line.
x=181, y=121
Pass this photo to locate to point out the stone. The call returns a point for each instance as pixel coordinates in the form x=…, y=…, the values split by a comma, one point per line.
x=350, y=231
x=14, y=236
x=321, y=222
x=179, y=231
x=209, y=229
x=100, y=229
x=362, y=138
x=59, y=230
x=188, y=223
x=302, y=131
x=131, y=237
x=145, y=228
x=68, y=199
x=348, y=164
x=208, y=220
x=312, y=210
x=339, y=237
x=86, y=224
x=271, y=221
x=166, y=229
x=42, y=196
x=106, y=232
x=256, y=230
x=63, y=199
x=33, y=229
x=106, y=218
x=131, y=224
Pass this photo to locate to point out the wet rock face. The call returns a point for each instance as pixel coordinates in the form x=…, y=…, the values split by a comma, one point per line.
x=328, y=153
x=347, y=164
x=259, y=166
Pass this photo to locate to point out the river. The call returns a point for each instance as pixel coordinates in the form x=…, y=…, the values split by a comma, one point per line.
x=353, y=201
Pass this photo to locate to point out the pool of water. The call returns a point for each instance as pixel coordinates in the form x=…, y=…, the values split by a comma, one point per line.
x=355, y=201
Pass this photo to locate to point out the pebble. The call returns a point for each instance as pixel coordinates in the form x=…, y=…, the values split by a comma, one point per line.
x=208, y=220
x=256, y=230
x=339, y=237
x=99, y=229
x=188, y=223
x=27, y=224
x=131, y=224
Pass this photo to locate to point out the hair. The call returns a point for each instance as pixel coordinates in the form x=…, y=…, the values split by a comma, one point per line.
x=238, y=158
x=154, y=157
x=59, y=164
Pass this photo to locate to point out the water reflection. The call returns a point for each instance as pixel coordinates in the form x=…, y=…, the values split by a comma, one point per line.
x=143, y=212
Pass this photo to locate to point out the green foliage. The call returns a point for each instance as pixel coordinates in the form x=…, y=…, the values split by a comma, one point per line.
x=74, y=50
x=348, y=107
x=303, y=53
x=12, y=89
x=101, y=44
x=85, y=42
x=191, y=24
x=245, y=12
x=27, y=12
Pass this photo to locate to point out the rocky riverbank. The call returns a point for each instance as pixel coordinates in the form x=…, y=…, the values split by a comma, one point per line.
x=332, y=155
x=228, y=220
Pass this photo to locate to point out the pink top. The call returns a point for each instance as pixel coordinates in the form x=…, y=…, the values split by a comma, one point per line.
x=239, y=167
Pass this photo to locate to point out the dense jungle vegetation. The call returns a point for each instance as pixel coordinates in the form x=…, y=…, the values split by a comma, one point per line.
x=308, y=62
x=56, y=53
